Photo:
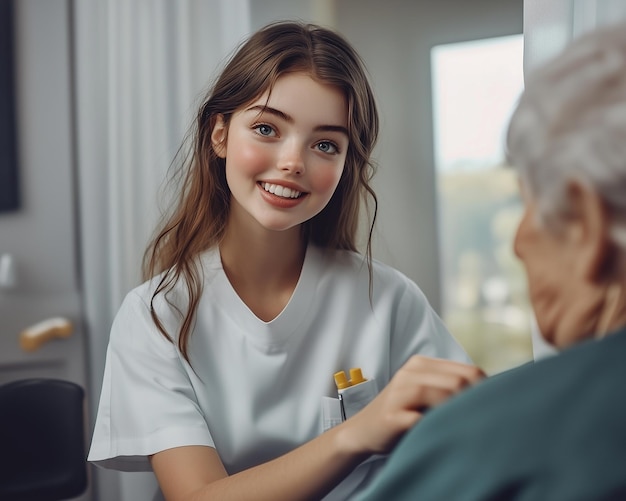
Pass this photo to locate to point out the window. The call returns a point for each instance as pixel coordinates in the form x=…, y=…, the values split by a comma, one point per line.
x=485, y=303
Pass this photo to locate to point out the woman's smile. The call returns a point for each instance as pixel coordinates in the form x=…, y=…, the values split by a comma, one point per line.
x=280, y=190
x=281, y=196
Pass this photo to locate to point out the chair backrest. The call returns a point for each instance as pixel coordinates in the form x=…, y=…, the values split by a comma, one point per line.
x=42, y=440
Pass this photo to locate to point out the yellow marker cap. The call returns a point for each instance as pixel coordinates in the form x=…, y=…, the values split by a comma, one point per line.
x=341, y=380
x=356, y=376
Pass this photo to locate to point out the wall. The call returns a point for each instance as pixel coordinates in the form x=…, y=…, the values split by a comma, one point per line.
x=263, y=12
x=45, y=152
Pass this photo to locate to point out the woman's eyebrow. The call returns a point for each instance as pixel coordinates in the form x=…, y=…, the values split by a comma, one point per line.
x=268, y=109
x=332, y=128
x=288, y=118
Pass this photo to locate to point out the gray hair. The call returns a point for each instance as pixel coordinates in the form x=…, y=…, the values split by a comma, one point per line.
x=570, y=124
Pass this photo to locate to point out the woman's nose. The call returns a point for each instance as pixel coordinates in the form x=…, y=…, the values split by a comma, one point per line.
x=292, y=158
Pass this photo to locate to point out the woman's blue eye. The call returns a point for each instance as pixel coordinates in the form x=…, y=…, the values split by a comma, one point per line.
x=327, y=147
x=264, y=130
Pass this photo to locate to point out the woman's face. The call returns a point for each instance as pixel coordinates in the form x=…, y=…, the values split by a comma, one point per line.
x=285, y=153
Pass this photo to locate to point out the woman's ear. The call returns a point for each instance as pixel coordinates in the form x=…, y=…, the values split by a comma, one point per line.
x=587, y=231
x=218, y=137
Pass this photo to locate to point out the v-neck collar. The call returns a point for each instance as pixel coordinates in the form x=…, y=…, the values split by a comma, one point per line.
x=276, y=331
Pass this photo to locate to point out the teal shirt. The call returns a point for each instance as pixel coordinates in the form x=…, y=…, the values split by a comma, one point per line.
x=547, y=431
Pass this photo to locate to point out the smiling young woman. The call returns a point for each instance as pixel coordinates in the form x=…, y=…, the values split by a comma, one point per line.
x=220, y=368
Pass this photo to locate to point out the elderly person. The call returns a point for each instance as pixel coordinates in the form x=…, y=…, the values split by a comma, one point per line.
x=553, y=429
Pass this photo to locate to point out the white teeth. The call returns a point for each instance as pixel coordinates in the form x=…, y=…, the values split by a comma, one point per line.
x=281, y=191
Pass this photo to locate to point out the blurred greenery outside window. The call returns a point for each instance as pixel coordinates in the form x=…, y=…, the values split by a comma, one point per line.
x=485, y=303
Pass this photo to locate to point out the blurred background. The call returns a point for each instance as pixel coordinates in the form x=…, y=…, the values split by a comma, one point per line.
x=95, y=98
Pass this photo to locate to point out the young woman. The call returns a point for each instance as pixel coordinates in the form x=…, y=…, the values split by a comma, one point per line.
x=220, y=367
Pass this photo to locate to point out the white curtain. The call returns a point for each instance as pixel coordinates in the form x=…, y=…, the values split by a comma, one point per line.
x=140, y=67
x=550, y=24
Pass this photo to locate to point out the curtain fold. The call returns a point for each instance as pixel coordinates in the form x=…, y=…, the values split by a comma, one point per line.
x=140, y=67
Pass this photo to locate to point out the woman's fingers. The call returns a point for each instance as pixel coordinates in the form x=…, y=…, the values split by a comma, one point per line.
x=419, y=363
x=426, y=382
x=421, y=383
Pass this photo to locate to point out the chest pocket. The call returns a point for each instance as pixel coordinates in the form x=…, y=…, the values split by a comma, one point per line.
x=353, y=399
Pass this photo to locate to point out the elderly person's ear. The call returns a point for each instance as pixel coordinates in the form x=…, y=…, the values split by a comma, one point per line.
x=587, y=228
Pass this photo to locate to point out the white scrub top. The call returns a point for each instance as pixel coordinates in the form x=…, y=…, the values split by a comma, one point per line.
x=256, y=390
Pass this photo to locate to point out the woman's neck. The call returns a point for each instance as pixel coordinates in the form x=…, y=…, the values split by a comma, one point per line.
x=272, y=258
x=263, y=266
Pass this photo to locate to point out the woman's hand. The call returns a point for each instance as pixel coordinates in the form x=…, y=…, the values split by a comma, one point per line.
x=421, y=383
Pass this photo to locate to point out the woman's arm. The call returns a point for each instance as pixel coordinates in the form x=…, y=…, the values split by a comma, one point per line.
x=196, y=473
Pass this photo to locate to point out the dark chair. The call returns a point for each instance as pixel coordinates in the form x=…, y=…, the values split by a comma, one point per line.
x=42, y=440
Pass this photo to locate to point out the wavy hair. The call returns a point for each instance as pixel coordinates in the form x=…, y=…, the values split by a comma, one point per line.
x=198, y=218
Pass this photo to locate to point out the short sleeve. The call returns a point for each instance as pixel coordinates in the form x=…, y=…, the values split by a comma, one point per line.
x=147, y=403
x=419, y=330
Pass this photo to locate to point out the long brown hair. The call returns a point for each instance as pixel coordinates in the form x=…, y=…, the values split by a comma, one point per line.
x=198, y=219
